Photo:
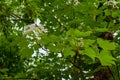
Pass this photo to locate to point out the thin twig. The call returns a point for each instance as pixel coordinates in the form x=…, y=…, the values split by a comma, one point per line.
x=111, y=72
x=81, y=71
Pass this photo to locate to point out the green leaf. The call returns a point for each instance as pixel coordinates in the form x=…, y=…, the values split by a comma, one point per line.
x=91, y=53
x=53, y=38
x=102, y=29
x=55, y=48
x=4, y=70
x=77, y=33
x=26, y=53
x=72, y=42
x=68, y=52
x=115, y=13
x=95, y=48
x=107, y=12
x=88, y=42
x=105, y=44
x=106, y=58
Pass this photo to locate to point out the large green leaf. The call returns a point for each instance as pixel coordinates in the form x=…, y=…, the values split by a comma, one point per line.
x=55, y=48
x=105, y=44
x=68, y=52
x=91, y=53
x=88, y=42
x=106, y=58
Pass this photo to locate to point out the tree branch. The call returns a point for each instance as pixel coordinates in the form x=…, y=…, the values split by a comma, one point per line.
x=81, y=71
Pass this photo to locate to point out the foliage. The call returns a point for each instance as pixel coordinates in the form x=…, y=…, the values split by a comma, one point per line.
x=74, y=39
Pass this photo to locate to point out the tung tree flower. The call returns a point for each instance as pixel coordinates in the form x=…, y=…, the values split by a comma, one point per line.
x=112, y=3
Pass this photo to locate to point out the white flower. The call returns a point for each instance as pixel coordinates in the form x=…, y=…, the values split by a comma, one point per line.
x=35, y=27
x=112, y=3
x=76, y=2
